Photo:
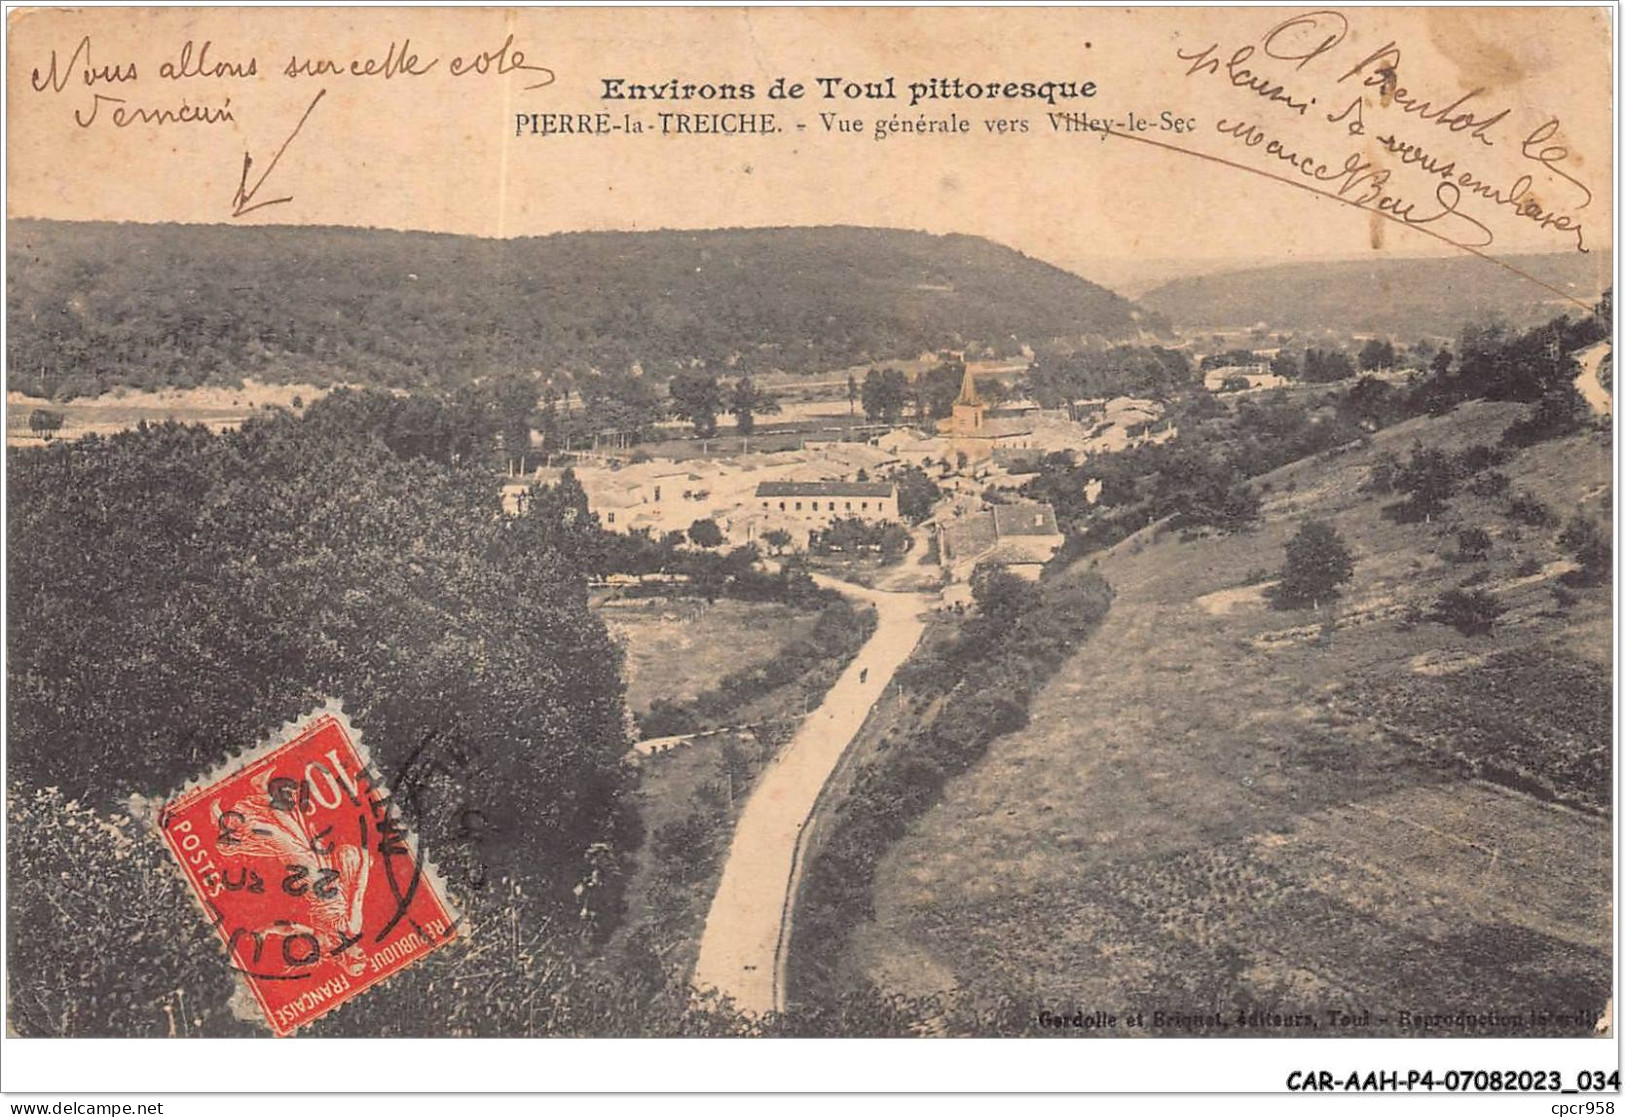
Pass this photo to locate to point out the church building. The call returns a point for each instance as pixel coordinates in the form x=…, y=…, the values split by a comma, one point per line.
x=975, y=435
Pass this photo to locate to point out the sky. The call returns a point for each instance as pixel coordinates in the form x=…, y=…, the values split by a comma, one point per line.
x=437, y=151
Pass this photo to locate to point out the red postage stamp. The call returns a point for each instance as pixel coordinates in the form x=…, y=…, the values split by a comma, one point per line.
x=307, y=870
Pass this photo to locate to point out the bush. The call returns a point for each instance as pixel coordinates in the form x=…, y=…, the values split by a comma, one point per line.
x=1429, y=480
x=104, y=937
x=1591, y=548
x=1526, y=509
x=1479, y=457
x=45, y=422
x=1228, y=506
x=1382, y=477
x=1472, y=545
x=705, y=533
x=666, y=718
x=1490, y=484
x=686, y=849
x=1579, y=533
x=1560, y=411
x=1471, y=612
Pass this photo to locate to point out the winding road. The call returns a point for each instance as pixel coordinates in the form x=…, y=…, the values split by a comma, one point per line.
x=740, y=950
x=1588, y=382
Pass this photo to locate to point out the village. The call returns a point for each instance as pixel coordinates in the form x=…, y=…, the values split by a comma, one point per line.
x=787, y=500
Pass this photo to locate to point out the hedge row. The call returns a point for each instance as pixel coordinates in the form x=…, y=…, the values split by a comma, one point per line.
x=814, y=661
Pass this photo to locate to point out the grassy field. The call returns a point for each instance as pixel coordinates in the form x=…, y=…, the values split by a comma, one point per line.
x=218, y=408
x=675, y=649
x=1218, y=808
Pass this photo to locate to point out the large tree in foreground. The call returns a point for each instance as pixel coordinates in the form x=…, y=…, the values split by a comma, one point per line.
x=1318, y=562
x=220, y=585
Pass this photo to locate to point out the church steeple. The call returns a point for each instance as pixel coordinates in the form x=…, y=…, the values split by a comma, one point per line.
x=968, y=407
x=967, y=391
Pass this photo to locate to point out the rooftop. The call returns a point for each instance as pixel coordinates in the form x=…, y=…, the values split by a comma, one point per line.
x=826, y=488
x=1029, y=518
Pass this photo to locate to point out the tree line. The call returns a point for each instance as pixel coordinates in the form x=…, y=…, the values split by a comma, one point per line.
x=417, y=311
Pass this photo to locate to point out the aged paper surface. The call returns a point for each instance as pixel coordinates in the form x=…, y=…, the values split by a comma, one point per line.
x=844, y=522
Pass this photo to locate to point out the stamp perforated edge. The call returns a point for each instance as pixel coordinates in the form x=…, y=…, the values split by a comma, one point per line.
x=245, y=1003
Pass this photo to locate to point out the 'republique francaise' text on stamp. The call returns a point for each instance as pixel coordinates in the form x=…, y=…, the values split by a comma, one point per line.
x=305, y=867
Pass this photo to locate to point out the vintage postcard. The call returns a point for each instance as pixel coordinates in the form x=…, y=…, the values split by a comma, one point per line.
x=849, y=522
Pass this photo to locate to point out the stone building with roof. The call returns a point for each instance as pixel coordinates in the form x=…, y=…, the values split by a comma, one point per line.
x=1020, y=536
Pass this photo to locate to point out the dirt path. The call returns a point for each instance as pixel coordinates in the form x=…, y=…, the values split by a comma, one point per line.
x=740, y=945
x=1588, y=383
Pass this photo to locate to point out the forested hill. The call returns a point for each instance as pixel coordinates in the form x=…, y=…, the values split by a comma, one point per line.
x=97, y=305
x=1406, y=298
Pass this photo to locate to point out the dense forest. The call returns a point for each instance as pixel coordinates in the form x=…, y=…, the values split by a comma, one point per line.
x=92, y=306
x=1406, y=298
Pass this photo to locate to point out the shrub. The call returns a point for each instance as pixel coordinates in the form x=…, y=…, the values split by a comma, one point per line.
x=1472, y=545
x=1560, y=411
x=104, y=938
x=1471, y=612
x=1429, y=480
x=1228, y=506
x=666, y=718
x=1383, y=476
x=1479, y=457
x=686, y=848
x=1582, y=537
x=705, y=533
x=1591, y=548
x=1490, y=484
x=45, y=422
x=1527, y=509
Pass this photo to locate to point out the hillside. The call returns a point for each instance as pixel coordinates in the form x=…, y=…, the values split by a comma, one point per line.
x=1217, y=806
x=1406, y=298
x=97, y=305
